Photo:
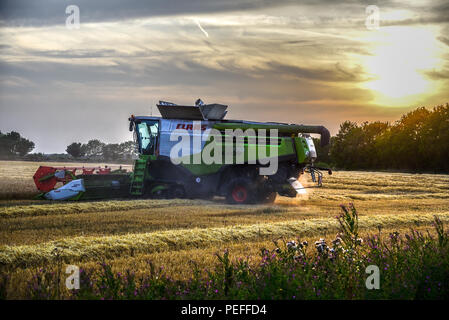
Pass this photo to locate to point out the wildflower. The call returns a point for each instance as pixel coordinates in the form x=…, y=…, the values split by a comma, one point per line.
x=292, y=245
x=321, y=245
x=337, y=241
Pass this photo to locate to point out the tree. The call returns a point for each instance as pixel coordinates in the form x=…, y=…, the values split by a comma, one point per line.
x=369, y=150
x=345, y=147
x=93, y=149
x=117, y=152
x=405, y=139
x=322, y=152
x=13, y=145
x=23, y=147
x=75, y=150
x=128, y=150
x=112, y=152
x=434, y=146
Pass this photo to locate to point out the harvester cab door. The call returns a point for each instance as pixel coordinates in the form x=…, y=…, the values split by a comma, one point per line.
x=148, y=136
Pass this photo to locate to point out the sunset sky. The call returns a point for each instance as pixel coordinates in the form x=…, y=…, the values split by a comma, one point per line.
x=310, y=62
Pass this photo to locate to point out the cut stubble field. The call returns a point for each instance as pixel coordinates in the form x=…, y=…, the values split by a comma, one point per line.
x=178, y=233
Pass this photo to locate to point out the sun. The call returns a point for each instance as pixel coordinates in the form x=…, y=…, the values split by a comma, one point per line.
x=400, y=54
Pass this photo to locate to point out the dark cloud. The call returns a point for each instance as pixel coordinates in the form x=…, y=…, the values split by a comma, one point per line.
x=433, y=19
x=444, y=40
x=50, y=12
x=72, y=54
x=336, y=73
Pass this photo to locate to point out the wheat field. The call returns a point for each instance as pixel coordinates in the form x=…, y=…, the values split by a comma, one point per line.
x=178, y=233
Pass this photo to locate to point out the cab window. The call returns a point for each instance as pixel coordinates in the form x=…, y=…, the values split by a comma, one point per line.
x=147, y=133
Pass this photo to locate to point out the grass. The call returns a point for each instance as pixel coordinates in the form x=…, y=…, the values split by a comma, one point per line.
x=163, y=215
x=97, y=248
x=52, y=208
x=411, y=267
x=172, y=232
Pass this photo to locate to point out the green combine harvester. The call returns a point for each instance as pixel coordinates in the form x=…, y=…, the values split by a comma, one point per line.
x=251, y=162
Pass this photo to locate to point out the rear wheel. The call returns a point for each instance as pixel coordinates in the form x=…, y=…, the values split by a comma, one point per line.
x=240, y=191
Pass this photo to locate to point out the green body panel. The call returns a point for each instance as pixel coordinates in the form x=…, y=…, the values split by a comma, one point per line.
x=301, y=149
x=250, y=150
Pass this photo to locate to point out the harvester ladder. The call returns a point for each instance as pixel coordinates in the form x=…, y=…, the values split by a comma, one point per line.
x=137, y=183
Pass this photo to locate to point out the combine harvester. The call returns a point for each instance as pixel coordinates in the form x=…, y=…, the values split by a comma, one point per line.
x=156, y=175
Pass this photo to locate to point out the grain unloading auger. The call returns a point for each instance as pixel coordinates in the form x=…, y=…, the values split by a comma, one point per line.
x=161, y=173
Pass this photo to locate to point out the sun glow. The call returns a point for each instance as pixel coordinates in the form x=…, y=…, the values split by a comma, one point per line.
x=399, y=57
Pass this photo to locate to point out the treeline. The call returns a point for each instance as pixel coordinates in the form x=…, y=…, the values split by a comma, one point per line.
x=15, y=147
x=95, y=150
x=418, y=142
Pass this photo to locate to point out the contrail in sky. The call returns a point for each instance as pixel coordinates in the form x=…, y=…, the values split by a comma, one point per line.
x=201, y=28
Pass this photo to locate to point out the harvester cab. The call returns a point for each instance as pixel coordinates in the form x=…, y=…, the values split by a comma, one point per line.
x=193, y=152
x=146, y=135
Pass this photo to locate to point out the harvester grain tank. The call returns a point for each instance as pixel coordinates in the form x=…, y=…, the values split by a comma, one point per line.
x=156, y=174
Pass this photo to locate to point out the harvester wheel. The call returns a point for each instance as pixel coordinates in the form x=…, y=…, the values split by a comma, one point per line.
x=239, y=191
x=177, y=192
x=266, y=196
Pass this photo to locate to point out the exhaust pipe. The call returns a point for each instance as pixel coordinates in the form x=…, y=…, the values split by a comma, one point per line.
x=321, y=130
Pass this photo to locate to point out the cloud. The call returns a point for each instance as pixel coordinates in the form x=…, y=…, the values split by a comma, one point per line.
x=51, y=12
x=433, y=19
x=444, y=40
x=336, y=73
x=438, y=75
x=48, y=12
